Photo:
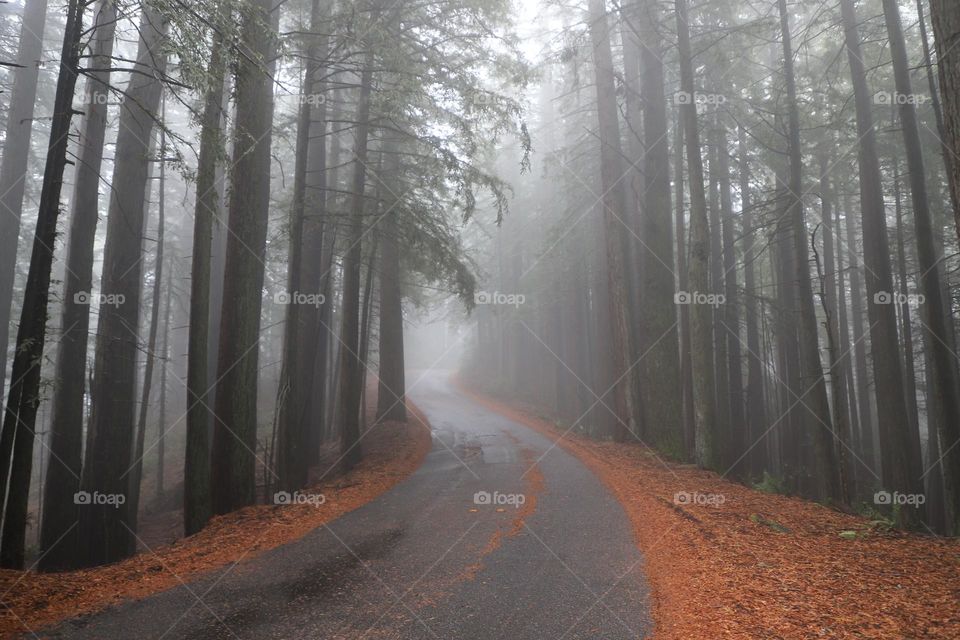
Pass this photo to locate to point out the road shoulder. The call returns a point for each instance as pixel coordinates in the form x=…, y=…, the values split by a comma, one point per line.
x=725, y=560
x=32, y=600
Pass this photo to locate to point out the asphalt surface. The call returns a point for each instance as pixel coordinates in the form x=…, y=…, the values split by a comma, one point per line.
x=425, y=560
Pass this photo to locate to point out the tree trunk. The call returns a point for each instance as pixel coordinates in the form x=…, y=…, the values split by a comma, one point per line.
x=686, y=366
x=717, y=279
x=235, y=427
x=16, y=154
x=20, y=412
x=662, y=396
x=900, y=472
x=843, y=344
x=736, y=437
x=860, y=343
x=197, y=507
x=162, y=420
x=295, y=378
x=828, y=299
x=391, y=397
x=614, y=203
x=906, y=321
x=366, y=324
x=136, y=474
x=756, y=421
x=945, y=16
x=351, y=377
x=318, y=231
x=938, y=334
x=104, y=532
x=812, y=383
x=701, y=318
x=66, y=432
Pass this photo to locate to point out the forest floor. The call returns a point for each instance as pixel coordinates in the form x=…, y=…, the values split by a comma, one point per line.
x=34, y=600
x=727, y=561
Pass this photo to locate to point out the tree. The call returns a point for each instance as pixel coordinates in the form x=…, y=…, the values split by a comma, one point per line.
x=20, y=413
x=661, y=402
x=391, y=397
x=197, y=507
x=104, y=530
x=900, y=472
x=296, y=377
x=235, y=425
x=945, y=16
x=57, y=523
x=701, y=317
x=812, y=380
x=614, y=203
x=351, y=374
x=137, y=471
x=16, y=148
x=756, y=410
x=730, y=331
x=935, y=310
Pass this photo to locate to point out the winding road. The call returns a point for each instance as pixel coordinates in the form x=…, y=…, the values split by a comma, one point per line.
x=498, y=534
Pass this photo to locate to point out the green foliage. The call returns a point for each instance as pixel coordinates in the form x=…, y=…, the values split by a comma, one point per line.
x=771, y=484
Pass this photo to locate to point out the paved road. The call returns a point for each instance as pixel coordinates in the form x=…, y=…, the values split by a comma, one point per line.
x=424, y=560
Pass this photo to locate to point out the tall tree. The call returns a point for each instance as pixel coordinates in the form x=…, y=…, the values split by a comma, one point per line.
x=828, y=298
x=686, y=363
x=945, y=16
x=900, y=472
x=391, y=397
x=861, y=389
x=295, y=386
x=812, y=383
x=57, y=522
x=736, y=438
x=235, y=425
x=136, y=473
x=938, y=332
x=197, y=506
x=20, y=412
x=701, y=317
x=16, y=152
x=614, y=202
x=319, y=234
x=105, y=534
x=661, y=398
x=351, y=374
x=756, y=410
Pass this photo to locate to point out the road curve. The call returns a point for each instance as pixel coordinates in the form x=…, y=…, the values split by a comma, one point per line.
x=555, y=558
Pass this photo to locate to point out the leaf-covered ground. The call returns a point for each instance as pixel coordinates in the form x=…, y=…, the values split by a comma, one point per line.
x=32, y=601
x=757, y=565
